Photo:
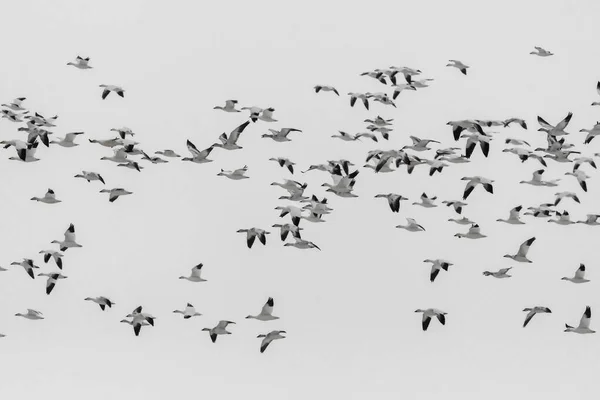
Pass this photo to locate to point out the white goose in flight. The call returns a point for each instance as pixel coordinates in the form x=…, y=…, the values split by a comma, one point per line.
x=15, y=105
x=236, y=174
x=57, y=256
x=325, y=88
x=302, y=244
x=220, y=329
x=500, y=274
x=102, y=301
x=532, y=311
x=284, y=163
x=579, y=275
x=393, y=200
x=80, y=63
x=519, y=121
x=584, y=323
x=536, y=179
x=267, y=115
x=521, y=255
x=198, y=157
x=430, y=313
x=581, y=178
x=286, y=229
x=112, y=88
x=168, y=153
x=27, y=153
x=426, y=202
x=188, y=312
x=558, y=130
x=49, y=198
x=230, y=142
x=28, y=265
x=31, y=314
x=541, y=52
x=436, y=266
x=474, y=181
x=458, y=65
x=591, y=219
x=364, y=97
x=69, y=241
x=229, y=106
x=252, y=234
x=419, y=144
x=114, y=194
x=474, y=232
x=119, y=156
x=514, y=217
x=52, y=279
x=68, y=140
x=280, y=135
x=563, y=218
x=563, y=195
x=138, y=320
x=268, y=338
x=457, y=205
x=266, y=314
x=461, y=221
x=195, y=275
x=91, y=176
x=411, y=226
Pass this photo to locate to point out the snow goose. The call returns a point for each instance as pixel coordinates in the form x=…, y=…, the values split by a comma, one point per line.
x=393, y=200
x=26, y=154
x=70, y=239
x=458, y=65
x=474, y=181
x=112, y=88
x=436, y=266
x=236, y=174
x=561, y=156
x=536, y=179
x=131, y=165
x=220, y=329
x=188, y=312
x=49, y=198
x=562, y=195
x=268, y=338
x=462, y=221
x=153, y=160
x=364, y=97
x=15, y=105
x=28, y=265
x=591, y=219
x=57, y=256
x=519, y=121
x=40, y=120
x=198, y=157
x=473, y=139
x=516, y=142
x=376, y=74
x=591, y=133
x=557, y=130
x=286, y=229
x=541, y=52
x=532, y=311
x=302, y=244
x=80, y=63
x=577, y=162
x=52, y=279
x=31, y=314
x=455, y=204
x=106, y=142
x=68, y=140
x=430, y=313
x=195, y=274
x=230, y=142
x=521, y=255
x=426, y=202
x=465, y=124
x=229, y=106
x=525, y=154
x=579, y=275
x=419, y=144
x=326, y=88
x=584, y=323
x=380, y=121
x=400, y=88
x=455, y=159
x=266, y=314
x=435, y=166
x=411, y=226
x=252, y=234
x=115, y=193
x=294, y=188
x=267, y=115
x=382, y=98
x=167, y=153
x=581, y=178
x=119, y=156
x=472, y=233
x=102, y=301
x=500, y=274
x=284, y=163
x=138, y=320
x=280, y=135
x=513, y=217
x=12, y=116
x=90, y=176
x=294, y=212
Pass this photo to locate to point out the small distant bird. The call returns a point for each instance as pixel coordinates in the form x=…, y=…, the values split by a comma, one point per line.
x=167, y=153
x=429, y=313
x=513, y=217
x=457, y=205
x=52, y=279
x=266, y=314
x=229, y=106
x=473, y=233
x=581, y=178
x=521, y=255
x=411, y=226
x=562, y=195
x=188, y=312
x=474, y=181
x=252, y=234
x=436, y=266
x=519, y=121
x=393, y=200
x=532, y=311
x=49, y=198
x=427, y=202
x=195, y=274
x=236, y=174
x=138, y=320
x=268, y=338
x=198, y=157
x=112, y=88
x=591, y=219
x=280, y=135
x=28, y=265
x=579, y=275
x=284, y=163
x=68, y=140
x=70, y=239
x=80, y=63
x=57, y=256
x=501, y=273
x=228, y=142
x=302, y=244
x=102, y=301
x=31, y=314
x=325, y=88
x=114, y=194
x=584, y=323
x=458, y=65
x=364, y=97
x=90, y=176
x=541, y=52
x=220, y=329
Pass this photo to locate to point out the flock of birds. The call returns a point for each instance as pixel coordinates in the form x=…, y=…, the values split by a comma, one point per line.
x=302, y=207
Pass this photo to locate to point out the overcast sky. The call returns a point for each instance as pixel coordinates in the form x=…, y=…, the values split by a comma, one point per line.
x=349, y=309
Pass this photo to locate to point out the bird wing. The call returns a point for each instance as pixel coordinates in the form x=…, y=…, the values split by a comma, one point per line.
x=426, y=321
x=580, y=273
x=235, y=134
x=524, y=247
x=268, y=307
x=563, y=124
x=530, y=315
x=585, y=318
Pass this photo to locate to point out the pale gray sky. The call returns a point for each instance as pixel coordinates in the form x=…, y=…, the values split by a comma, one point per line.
x=348, y=310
